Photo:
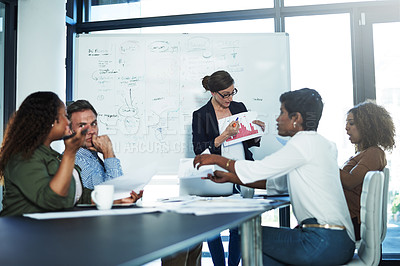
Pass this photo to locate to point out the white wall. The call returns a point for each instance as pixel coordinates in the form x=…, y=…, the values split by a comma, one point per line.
x=40, y=47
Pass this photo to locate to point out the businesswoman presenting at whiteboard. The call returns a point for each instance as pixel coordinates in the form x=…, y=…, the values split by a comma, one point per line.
x=207, y=135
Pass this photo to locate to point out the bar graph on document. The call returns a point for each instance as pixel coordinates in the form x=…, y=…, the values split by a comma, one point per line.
x=247, y=130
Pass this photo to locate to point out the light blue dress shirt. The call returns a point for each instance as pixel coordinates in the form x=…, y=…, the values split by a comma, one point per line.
x=93, y=170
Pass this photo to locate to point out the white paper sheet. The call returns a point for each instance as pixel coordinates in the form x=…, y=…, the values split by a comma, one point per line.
x=186, y=169
x=186, y=204
x=134, y=180
x=89, y=213
x=247, y=129
x=213, y=205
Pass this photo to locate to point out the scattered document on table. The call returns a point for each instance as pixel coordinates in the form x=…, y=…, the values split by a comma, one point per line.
x=89, y=213
x=247, y=130
x=212, y=205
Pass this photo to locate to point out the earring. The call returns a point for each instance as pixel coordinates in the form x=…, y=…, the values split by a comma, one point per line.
x=294, y=124
x=52, y=125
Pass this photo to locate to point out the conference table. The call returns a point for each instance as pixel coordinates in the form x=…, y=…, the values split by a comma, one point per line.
x=133, y=239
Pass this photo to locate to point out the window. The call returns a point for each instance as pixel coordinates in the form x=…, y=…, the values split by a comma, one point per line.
x=2, y=45
x=248, y=26
x=320, y=59
x=8, y=59
x=387, y=69
x=2, y=17
x=109, y=10
x=318, y=2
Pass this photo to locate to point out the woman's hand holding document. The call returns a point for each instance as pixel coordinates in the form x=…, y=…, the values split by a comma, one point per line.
x=186, y=169
x=193, y=181
x=249, y=127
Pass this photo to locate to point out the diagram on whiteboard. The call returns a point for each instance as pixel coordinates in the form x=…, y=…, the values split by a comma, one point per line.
x=145, y=87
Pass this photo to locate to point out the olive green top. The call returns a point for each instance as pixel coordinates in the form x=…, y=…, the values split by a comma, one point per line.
x=26, y=184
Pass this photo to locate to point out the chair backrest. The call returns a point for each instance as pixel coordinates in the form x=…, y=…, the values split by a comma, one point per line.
x=386, y=173
x=371, y=218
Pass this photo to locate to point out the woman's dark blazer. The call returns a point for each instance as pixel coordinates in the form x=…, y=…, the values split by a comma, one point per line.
x=205, y=129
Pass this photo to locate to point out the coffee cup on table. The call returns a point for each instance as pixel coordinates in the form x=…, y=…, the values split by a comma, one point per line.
x=246, y=192
x=103, y=196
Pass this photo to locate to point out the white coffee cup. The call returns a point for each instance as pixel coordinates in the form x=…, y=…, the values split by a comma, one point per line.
x=246, y=192
x=103, y=195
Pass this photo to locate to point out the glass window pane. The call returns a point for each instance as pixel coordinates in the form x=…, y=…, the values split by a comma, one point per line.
x=320, y=58
x=248, y=26
x=2, y=17
x=387, y=69
x=320, y=2
x=2, y=20
x=108, y=10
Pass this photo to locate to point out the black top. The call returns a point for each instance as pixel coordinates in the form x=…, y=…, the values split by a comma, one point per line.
x=205, y=129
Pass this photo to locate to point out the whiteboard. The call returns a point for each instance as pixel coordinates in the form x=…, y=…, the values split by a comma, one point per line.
x=145, y=87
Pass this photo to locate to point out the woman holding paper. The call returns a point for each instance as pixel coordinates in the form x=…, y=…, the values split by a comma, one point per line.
x=325, y=234
x=37, y=178
x=207, y=135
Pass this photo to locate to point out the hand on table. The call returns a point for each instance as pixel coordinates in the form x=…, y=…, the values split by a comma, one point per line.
x=132, y=199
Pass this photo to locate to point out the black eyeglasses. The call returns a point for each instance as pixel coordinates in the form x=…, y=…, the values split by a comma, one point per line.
x=228, y=94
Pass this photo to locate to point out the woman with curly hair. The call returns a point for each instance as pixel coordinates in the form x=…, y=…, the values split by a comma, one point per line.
x=370, y=128
x=37, y=178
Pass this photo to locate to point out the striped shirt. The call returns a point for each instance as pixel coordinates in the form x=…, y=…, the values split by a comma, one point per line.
x=93, y=170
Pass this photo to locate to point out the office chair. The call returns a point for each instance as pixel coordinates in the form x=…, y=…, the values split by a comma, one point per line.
x=369, y=251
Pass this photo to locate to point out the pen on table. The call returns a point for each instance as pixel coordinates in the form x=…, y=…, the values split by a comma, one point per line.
x=234, y=124
x=83, y=132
